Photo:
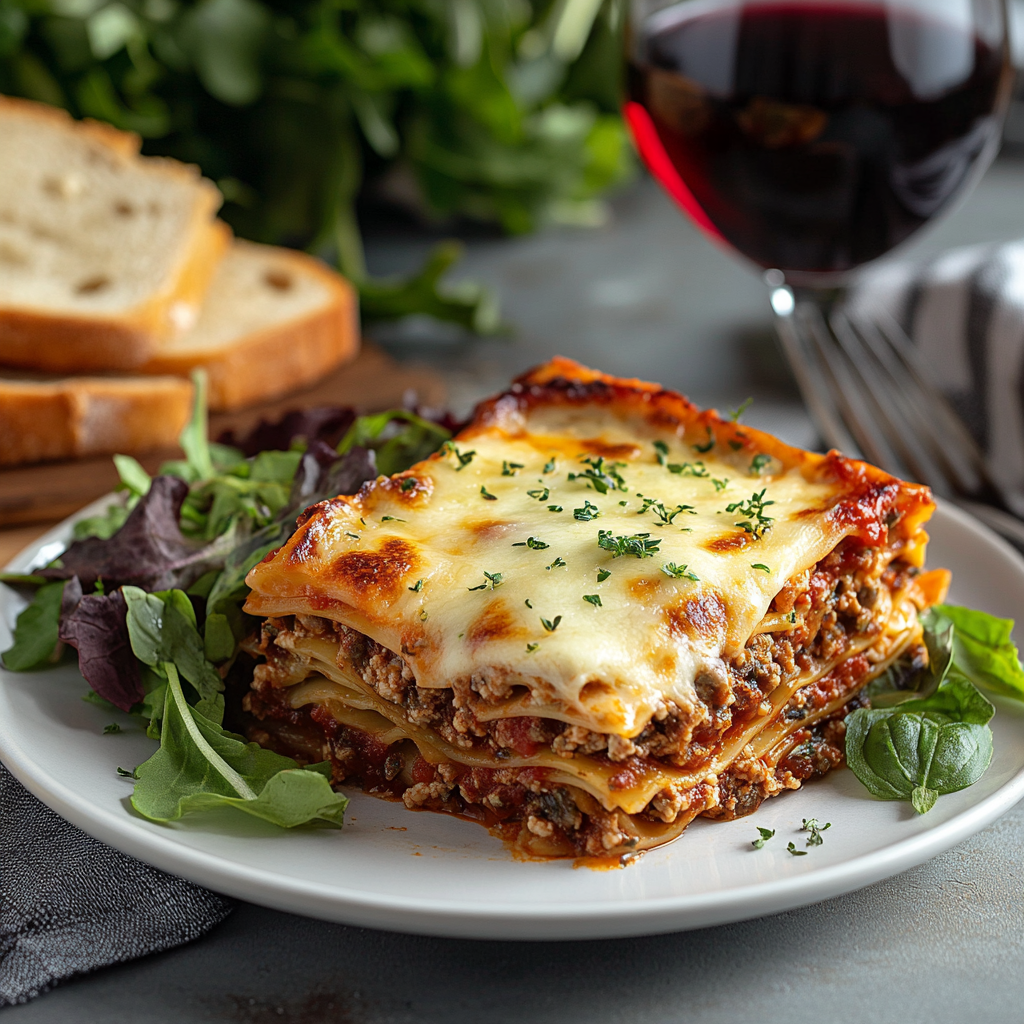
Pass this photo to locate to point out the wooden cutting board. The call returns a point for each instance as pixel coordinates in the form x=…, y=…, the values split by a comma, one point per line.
x=48, y=492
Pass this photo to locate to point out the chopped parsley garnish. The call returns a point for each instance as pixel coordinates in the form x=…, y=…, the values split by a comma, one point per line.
x=759, y=462
x=720, y=485
x=109, y=730
x=623, y=504
x=737, y=413
x=666, y=516
x=602, y=476
x=494, y=579
x=464, y=458
x=756, y=522
x=704, y=448
x=409, y=483
x=530, y=648
x=815, y=827
x=558, y=563
x=761, y=566
x=549, y=466
x=585, y=514
x=594, y=599
x=766, y=834
x=602, y=575
x=487, y=494
x=551, y=625
x=541, y=494
x=796, y=853
x=388, y=519
x=124, y=773
x=735, y=445
x=792, y=616
x=533, y=543
x=555, y=508
x=354, y=536
x=528, y=603
x=418, y=587
x=679, y=572
x=661, y=450
x=697, y=469
x=639, y=545
x=510, y=468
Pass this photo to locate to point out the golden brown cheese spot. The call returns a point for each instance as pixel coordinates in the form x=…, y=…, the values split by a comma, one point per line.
x=407, y=489
x=378, y=574
x=490, y=529
x=700, y=618
x=645, y=589
x=730, y=542
x=314, y=525
x=494, y=623
x=595, y=446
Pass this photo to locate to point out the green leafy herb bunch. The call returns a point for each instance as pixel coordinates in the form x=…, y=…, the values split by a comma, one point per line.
x=504, y=111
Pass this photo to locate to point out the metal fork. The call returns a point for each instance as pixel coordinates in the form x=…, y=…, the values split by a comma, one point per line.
x=866, y=389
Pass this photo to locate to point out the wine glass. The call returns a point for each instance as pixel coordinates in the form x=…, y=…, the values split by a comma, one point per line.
x=813, y=136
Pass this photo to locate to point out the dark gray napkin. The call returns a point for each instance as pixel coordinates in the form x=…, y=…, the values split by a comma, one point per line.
x=964, y=311
x=69, y=904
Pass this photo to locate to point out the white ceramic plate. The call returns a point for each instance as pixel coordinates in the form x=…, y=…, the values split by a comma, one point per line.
x=421, y=872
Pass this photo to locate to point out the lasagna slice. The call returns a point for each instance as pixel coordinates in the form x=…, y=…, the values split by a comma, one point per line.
x=597, y=613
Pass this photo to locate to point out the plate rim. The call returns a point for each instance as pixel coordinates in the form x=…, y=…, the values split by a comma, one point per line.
x=534, y=921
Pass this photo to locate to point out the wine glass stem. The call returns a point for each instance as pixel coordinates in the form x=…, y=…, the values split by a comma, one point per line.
x=798, y=311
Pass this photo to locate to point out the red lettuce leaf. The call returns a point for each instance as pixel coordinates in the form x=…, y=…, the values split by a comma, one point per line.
x=149, y=551
x=96, y=626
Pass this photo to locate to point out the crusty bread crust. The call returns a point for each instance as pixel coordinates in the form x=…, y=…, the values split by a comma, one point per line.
x=31, y=339
x=82, y=416
x=66, y=344
x=264, y=365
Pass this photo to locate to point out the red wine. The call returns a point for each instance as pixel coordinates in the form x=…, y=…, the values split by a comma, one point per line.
x=814, y=136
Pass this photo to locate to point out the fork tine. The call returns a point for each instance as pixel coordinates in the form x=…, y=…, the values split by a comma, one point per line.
x=896, y=417
x=937, y=425
x=853, y=402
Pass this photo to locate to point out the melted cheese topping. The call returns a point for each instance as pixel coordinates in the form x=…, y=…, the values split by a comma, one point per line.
x=486, y=562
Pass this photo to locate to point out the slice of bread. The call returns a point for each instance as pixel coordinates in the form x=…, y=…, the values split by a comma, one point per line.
x=80, y=416
x=103, y=252
x=274, y=320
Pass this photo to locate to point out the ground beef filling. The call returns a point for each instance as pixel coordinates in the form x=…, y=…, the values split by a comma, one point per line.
x=832, y=604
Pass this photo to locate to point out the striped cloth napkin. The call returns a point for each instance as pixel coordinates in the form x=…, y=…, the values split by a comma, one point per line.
x=964, y=311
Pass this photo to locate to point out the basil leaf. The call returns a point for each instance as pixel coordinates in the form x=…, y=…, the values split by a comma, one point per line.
x=895, y=752
x=36, y=631
x=983, y=650
x=200, y=766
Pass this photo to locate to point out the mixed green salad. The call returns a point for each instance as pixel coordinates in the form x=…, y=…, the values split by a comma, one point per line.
x=150, y=595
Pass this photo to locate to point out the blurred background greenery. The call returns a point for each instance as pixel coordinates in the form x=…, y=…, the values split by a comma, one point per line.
x=306, y=112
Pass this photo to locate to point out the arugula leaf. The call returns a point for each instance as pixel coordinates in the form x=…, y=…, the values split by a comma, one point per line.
x=36, y=631
x=193, y=439
x=399, y=438
x=200, y=766
x=162, y=628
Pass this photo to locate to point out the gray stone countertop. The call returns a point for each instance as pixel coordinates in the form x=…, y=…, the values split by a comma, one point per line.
x=644, y=296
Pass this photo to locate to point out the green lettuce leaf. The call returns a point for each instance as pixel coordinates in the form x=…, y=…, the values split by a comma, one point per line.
x=200, y=766
x=983, y=650
x=35, y=633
